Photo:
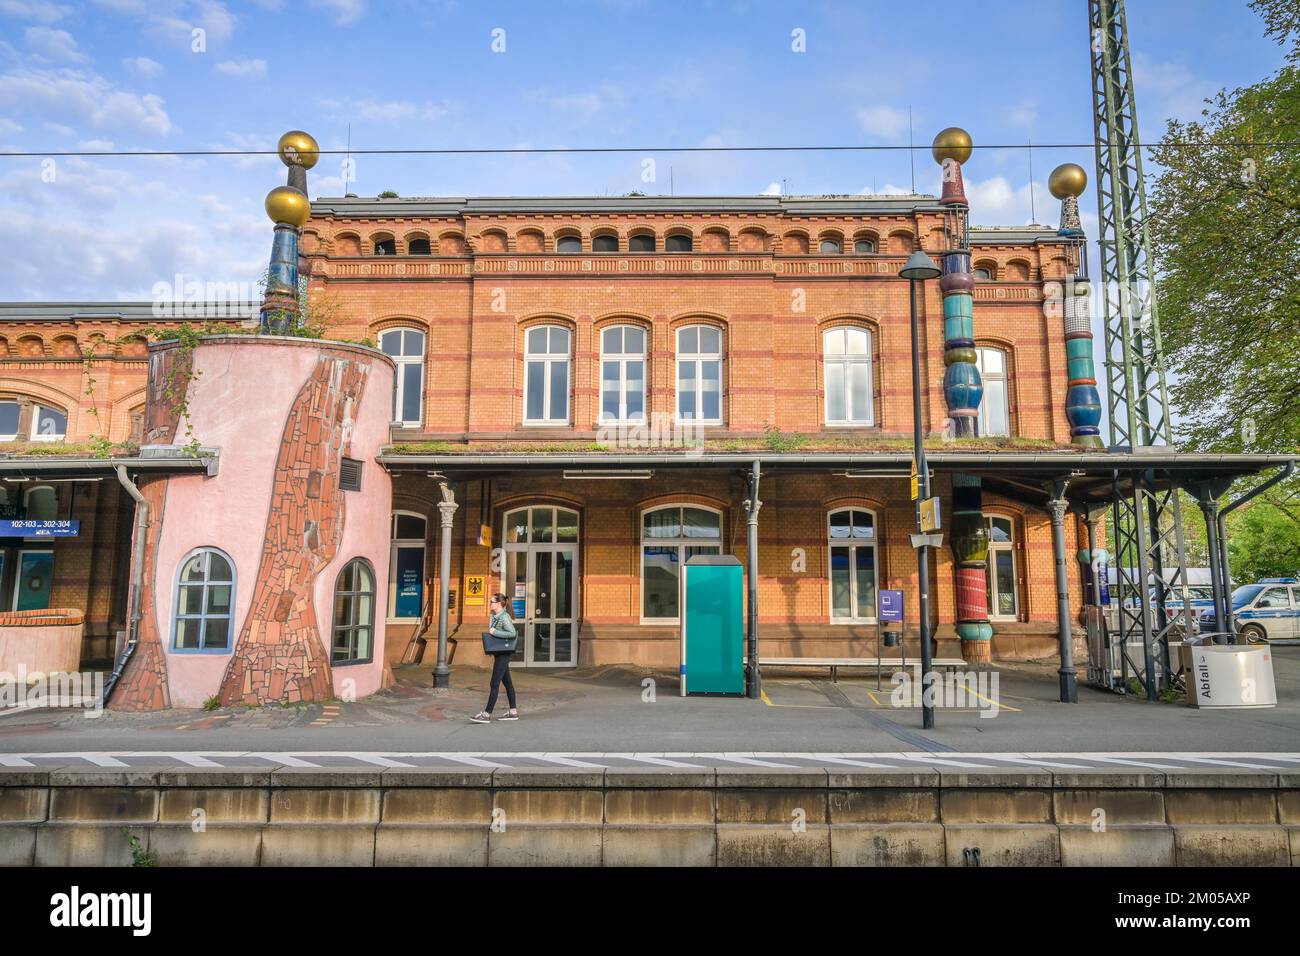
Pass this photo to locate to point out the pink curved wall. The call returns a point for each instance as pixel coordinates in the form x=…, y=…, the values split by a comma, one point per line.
x=239, y=402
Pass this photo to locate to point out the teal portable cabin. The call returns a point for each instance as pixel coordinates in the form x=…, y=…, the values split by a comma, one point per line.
x=713, y=626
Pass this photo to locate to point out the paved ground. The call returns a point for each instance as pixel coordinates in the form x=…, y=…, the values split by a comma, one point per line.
x=613, y=717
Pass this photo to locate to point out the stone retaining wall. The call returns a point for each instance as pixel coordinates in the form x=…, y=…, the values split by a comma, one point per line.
x=282, y=817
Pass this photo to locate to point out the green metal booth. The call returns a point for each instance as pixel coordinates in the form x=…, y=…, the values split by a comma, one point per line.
x=713, y=626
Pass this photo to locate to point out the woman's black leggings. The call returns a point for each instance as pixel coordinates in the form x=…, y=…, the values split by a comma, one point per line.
x=500, y=675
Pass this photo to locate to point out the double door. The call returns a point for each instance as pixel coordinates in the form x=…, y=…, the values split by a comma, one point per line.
x=540, y=582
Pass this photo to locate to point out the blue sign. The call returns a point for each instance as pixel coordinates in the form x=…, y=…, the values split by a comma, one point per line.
x=410, y=589
x=891, y=605
x=40, y=528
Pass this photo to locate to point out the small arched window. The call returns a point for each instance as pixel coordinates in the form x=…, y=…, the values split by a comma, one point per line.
x=642, y=242
x=354, y=614
x=568, y=244
x=546, y=375
x=847, y=379
x=983, y=274
x=41, y=503
x=851, y=534
x=830, y=247
x=418, y=247
x=604, y=243
x=863, y=246
x=205, y=592
x=406, y=348
x=386, y=247
x=994, y=411
x=699, y=374
x=622, y=374
x=678, y=243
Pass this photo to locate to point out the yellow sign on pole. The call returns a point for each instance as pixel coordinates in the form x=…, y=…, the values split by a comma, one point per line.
x=930, y=515
x=475, y=589
x=916, y=487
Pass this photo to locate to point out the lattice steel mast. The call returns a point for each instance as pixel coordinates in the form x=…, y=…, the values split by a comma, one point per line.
x=1148, y=529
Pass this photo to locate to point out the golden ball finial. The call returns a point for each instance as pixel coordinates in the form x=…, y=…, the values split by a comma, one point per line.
x=1068, y=179
x=297, y=148
x=951, y=143
x=288, y=205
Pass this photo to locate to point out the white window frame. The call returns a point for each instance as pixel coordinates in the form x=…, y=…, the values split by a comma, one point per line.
x=846, y=360
x=35, y=435
x=12, y=436
x=853, y=544
x=203, y=616
x=622, y=359
x=399, y=378
x=990, y=568
x=681, y=542
x=402, y=543
x=1004, y=378
x=838, y=243
x=698, y=358
x=875, y=246
x=549, y=360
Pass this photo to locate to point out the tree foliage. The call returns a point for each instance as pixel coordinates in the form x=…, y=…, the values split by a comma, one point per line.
x=1225, y=221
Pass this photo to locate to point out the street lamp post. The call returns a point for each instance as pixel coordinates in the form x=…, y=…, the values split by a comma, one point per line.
x=920, y=268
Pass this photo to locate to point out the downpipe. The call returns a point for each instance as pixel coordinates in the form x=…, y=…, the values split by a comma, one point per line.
x=137, y=580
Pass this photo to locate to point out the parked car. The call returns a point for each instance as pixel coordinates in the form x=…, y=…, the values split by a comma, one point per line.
x=1268, y=610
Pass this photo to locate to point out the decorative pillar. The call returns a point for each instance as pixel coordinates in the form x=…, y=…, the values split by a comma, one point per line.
x=447, y=514
x=970, y=548
x=752, y=506
x=1057, y=506
x=288, y=207
x=962, y=388
x=1082, y=400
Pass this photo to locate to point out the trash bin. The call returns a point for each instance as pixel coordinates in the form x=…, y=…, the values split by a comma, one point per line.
x=713, y=626
x=1228, y=675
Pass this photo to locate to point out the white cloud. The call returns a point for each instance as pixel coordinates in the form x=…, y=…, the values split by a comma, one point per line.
x=243, y=68
x=387, y=111
x=8, y=127
x=773, y=189
x=996, y=202
x=884, y=122
x=142, y=65
x=85, y=97
x=38, y=10
x=177, y=27
x=1022, y=114
x=584, y=106
x=345, y=11
x=1178, y=92
x=56, y=45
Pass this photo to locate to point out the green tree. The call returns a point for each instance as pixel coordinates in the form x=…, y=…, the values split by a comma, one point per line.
x=1262, y=543
x=1225, y=221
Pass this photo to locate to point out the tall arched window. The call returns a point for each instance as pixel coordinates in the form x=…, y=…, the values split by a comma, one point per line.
x=546, y=375
x=1001, y=575
x=851, y=535
x=406, y=347
x=622, y=374
x=847, y=379
x=354, y=614
x=204, y=606
x=699, y=374
x=671, y=536
x=995, y=412
x=406, y=565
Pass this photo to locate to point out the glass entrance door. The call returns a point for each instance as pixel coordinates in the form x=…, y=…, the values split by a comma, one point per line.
x=540, y=580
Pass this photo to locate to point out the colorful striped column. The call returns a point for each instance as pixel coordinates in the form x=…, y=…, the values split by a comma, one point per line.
x=969, y=537
x=962, y=388
x=288, y=207
x=1082, y=400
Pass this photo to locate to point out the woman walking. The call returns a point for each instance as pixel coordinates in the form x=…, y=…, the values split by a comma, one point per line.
x=500, y=626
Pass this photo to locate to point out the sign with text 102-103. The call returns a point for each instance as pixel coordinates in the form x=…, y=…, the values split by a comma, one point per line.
x=40, y=528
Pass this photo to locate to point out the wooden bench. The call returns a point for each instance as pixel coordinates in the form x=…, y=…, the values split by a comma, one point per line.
x=879, y=663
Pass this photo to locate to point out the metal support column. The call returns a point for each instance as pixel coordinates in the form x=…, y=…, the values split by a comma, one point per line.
x=1207, y=497
x=447, y=514
x=752, y=506
x=1058, y=506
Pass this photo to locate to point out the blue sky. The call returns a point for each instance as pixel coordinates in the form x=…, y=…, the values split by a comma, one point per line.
x=123, y=74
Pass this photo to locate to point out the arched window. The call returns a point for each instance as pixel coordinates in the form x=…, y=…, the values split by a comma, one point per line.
x=9, y=414
x=622, y=374
x=994, y=412
x=568, y=244
x=678, y=243
x=418, y=247
x=831, y=247
x=847, y=365
x=354, y=614
x=546, y=375
x=41, y=503
x=204, y=606
x=983, y=274
x=386, y=247
x=642, y=242
x=406, y=565
x=671, y=536
x=406, y=347
x=699, y=374
x=1001, y=576
x=851, y=534
x=604, y=243
x=864, y=245
x=48, y=424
